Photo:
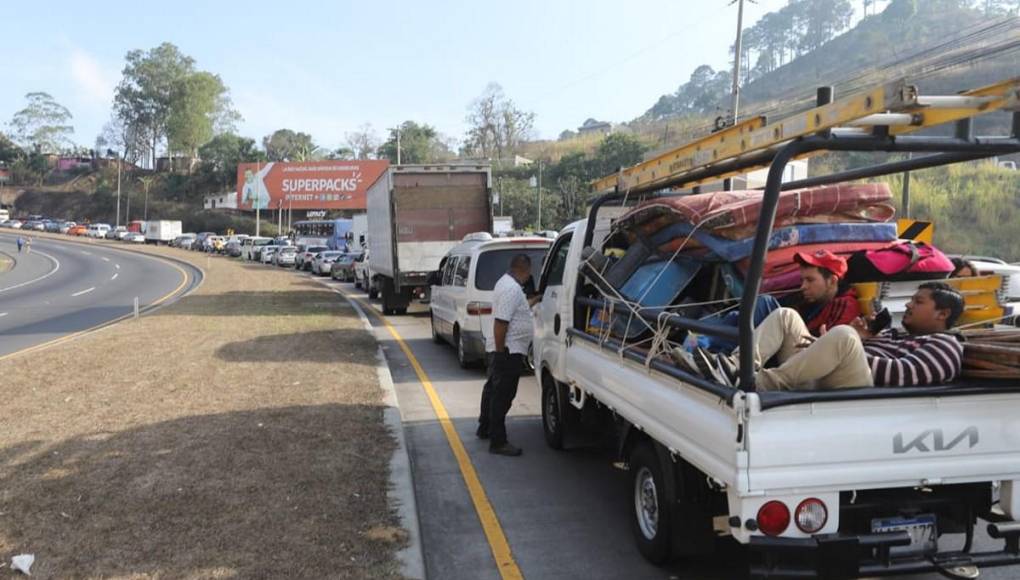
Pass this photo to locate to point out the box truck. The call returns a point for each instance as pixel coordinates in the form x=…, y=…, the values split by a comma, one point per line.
x=416, y=214
x=162, y=231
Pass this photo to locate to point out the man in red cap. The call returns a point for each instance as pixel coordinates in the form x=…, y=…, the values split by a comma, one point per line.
x=824, y=303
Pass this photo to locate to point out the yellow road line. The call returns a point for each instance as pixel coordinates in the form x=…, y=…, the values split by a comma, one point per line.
x=73, y=335
x=505, y=562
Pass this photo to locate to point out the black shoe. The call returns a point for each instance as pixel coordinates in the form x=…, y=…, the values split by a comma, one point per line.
x=707, y=365
x=729, y=367
x=506, y=449
x=482, y=433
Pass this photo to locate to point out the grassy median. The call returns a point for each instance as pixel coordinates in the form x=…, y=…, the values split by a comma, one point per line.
x=236, y=433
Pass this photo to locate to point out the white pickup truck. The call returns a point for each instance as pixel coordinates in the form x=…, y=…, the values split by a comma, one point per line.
x=837, y=484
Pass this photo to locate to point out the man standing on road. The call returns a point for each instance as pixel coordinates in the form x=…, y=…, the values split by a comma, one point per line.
x=506, y=348
x=21, y=242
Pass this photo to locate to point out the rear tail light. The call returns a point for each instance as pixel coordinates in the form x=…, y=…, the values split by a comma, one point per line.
x=479, y=308
x=811, y=515
x=773, y=518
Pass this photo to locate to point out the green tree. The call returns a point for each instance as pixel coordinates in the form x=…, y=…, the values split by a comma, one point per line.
x=221, y=156
x=193, y=115
x=162, y=97
x=288, y=145
x=9, y=150
x=615, y=151
x=43, y=125
x=418, y=144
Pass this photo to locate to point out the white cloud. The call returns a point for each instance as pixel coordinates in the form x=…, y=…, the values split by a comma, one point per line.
x=95, y=84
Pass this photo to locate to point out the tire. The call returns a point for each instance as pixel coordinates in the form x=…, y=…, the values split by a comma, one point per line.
x=373, y=292
x=553, y=425
x=400, y=311
x=458, y=343
x=357, y=281
x=652, y=515
x=436, y=337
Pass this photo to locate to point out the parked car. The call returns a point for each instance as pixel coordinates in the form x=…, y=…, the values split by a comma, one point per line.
x=15, y=224
x=199, y=244
x=323, y=262
x=78, y=230
x=343, y=267
x=305, y=257
x=251, y=247
x=134, y=237
x=460, y=304
x=52, y=225
x=65, y=227
x=266, y=253
x=177, y=241
x=37, y=225
x=213, y=244
x=97, y=230
x=112, y=233
x=285, y=256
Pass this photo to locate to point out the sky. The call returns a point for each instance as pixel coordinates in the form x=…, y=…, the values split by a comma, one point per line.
x=327, y=68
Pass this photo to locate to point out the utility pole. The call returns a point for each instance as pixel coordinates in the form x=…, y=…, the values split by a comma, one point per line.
x=736, y=59
x=258, y=198
x=118, y=190
x=398, y=144
x=540, y=194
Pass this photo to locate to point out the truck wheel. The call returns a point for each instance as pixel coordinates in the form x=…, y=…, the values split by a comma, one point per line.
x=436, y=337
x=462, y=358
x=373, y=293
x=652, y=522
x=552, y=419
x=400, y=311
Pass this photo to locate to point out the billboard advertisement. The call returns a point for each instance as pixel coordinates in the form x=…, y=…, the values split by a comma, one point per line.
x=307, y=184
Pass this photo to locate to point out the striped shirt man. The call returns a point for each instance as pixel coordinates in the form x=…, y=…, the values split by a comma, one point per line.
x=899, y=359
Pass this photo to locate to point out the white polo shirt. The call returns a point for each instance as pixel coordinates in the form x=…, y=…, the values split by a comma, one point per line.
x=509, y=304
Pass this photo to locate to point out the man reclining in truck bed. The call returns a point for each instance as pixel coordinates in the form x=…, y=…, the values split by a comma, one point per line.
x=851, y=356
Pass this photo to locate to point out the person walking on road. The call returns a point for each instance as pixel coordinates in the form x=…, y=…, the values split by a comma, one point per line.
x=21, y=243
x=506, y=348
x=28, y=245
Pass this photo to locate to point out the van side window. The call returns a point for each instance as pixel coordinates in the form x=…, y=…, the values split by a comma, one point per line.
x=556, y=262
x=461, y=275
x=448, y=270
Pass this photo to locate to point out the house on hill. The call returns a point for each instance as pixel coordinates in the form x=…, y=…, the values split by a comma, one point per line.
x=591, y=126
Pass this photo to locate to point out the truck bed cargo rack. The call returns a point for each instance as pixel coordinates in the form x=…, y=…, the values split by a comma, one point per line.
x=874, y=120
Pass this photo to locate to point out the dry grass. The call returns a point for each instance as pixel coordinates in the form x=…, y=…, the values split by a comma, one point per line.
x=235, y=434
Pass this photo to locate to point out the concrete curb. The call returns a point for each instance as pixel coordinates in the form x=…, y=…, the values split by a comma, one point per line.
x=401, y=492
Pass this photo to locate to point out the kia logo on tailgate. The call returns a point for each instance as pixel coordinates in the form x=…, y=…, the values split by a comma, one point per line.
x=934, y=440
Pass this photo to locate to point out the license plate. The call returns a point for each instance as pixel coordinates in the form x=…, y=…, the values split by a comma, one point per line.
x=921, y=529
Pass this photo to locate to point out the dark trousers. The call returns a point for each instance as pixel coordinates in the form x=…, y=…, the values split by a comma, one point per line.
x=498, y=394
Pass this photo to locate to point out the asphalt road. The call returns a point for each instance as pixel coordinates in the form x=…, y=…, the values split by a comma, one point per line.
x=565, y=514
x=61, y=288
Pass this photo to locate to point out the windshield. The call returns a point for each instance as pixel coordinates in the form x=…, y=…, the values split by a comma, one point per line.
x=494, y=263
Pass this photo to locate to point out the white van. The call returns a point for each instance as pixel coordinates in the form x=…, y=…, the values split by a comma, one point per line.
x=461, y=297
x=97, y=230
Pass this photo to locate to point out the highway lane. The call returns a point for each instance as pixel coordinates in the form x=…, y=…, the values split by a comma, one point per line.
x=63, y=287
x=565, y=514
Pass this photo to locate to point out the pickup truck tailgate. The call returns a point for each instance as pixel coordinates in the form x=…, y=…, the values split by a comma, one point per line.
x=875, y=443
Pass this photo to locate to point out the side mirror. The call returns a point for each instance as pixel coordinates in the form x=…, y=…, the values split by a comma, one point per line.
x=433, y=279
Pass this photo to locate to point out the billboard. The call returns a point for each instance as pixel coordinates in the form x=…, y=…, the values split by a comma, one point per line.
x=306, y=185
